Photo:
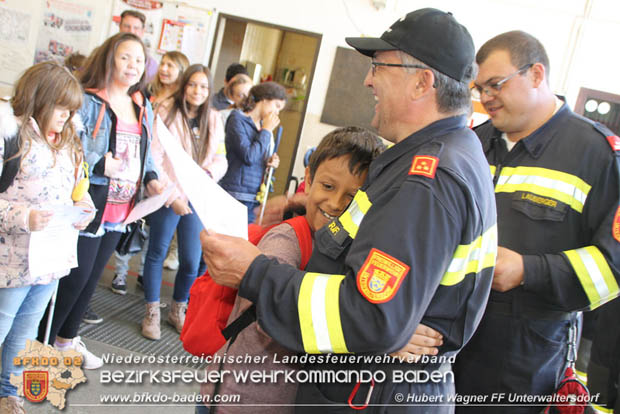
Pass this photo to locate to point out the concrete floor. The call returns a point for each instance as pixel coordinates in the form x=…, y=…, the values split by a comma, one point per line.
x=87, y=397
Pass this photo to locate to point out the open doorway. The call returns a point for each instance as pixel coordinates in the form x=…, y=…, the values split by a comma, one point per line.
x=270, y=52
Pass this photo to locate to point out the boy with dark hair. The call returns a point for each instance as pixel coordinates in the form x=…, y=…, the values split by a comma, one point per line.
x=337, y=169
x=220, y=101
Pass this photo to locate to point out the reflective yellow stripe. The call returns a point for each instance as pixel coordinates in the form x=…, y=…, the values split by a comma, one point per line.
x=600, y=409
x=352, y=218
x=472, y=258
x=564, y=187
x=319, y=314
x=493, y=169
x=221, y=148
x=594, y=275
x=582, y=376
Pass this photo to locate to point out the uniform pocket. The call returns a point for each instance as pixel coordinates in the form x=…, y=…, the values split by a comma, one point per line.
x=538, y=207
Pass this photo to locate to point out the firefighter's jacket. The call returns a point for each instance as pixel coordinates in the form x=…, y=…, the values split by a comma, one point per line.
x=557, y=196
x=417, y=244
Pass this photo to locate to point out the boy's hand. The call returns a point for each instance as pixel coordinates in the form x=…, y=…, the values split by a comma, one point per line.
x=424, y=341
x=277, y=206
x=227, y=257
x=38, y=219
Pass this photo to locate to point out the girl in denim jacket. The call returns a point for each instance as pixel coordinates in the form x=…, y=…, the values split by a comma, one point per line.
x=116, y=142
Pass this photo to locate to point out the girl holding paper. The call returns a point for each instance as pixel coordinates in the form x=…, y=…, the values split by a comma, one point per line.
x=116, y=141
x=198, y=129
x=41, y=148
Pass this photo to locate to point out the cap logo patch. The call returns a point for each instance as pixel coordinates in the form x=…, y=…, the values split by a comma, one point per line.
x=380, y=277
x=615, y=227
x=425, y=165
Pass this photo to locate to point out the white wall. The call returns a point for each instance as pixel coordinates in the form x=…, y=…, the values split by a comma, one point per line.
x=569, y=29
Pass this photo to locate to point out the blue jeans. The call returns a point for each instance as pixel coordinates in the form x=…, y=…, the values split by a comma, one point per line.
x=251, y=205
x=164, y=222
x=21, y=309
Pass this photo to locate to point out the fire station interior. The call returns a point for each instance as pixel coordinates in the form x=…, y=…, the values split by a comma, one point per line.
x=301, y=46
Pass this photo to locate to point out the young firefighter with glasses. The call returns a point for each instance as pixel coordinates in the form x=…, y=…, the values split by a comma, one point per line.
x=557, y=191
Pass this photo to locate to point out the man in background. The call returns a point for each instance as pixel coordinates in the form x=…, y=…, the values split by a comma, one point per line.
x=557, y=191
x=220, y=100
x=133, y=21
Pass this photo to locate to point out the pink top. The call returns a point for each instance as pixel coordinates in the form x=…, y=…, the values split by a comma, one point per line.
x=123, y=187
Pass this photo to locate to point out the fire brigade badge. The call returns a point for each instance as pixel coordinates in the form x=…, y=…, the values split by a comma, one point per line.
x=425, y=165
x=36, y=385
x=380, y=277
x=615, y=227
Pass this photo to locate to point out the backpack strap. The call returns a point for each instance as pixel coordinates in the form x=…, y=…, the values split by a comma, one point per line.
x=11, y=167
x=304, y=236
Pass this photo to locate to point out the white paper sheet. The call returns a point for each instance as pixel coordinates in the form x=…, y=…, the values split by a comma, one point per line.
x=148, y=205
x=54, y=248
x=217, y=210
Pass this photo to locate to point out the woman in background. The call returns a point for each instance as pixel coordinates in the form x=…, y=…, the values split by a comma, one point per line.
x=198, y=127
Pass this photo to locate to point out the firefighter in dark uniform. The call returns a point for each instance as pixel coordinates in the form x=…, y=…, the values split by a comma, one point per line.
x=557, y=190
x=416, y=245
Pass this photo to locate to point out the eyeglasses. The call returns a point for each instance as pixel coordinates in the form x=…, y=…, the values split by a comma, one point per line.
x=494, y=89
x=373, y=66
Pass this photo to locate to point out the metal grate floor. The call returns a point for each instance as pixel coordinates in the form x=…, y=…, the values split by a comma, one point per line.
x=122, y=316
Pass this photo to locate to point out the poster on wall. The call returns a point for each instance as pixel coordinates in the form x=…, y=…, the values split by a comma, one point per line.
x=67, y=28
x=14, y=40
x=154, y=15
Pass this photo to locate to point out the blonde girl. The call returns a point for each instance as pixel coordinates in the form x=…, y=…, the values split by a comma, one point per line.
x=40, y=143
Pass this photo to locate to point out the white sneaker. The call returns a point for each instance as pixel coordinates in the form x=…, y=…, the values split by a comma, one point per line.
x=171, y=263
x=91, y=361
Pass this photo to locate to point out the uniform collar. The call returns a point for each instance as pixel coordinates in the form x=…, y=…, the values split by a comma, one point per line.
x=415, y=140
x=535, y=143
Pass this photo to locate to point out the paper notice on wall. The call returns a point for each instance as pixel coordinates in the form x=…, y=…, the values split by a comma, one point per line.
x=14, y=39
x=217, y=210
x=67, y=27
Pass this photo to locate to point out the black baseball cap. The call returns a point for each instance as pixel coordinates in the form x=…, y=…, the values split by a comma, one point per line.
x=429, y=35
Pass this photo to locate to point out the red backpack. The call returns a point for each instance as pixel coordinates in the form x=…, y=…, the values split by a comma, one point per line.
x=210, y=304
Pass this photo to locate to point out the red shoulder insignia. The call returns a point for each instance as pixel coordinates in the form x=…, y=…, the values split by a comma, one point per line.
x=380, y=277
x=425, y=165
x=615, y=226
x=614, y=141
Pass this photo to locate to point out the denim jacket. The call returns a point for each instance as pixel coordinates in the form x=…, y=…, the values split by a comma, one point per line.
x=247, y=151
x=93, y=108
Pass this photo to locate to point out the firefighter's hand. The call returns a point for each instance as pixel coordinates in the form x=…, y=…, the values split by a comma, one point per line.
x=508, y=270
x=227, y=257
x=425, y=341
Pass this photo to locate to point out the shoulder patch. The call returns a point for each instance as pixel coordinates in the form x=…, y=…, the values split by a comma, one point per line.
x=380, y=277
x=614, y=141
x=425, y=165
x=615, y=227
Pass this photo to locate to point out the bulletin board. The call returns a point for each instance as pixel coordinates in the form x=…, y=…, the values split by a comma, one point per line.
x=170, y=26
x=348, y=101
